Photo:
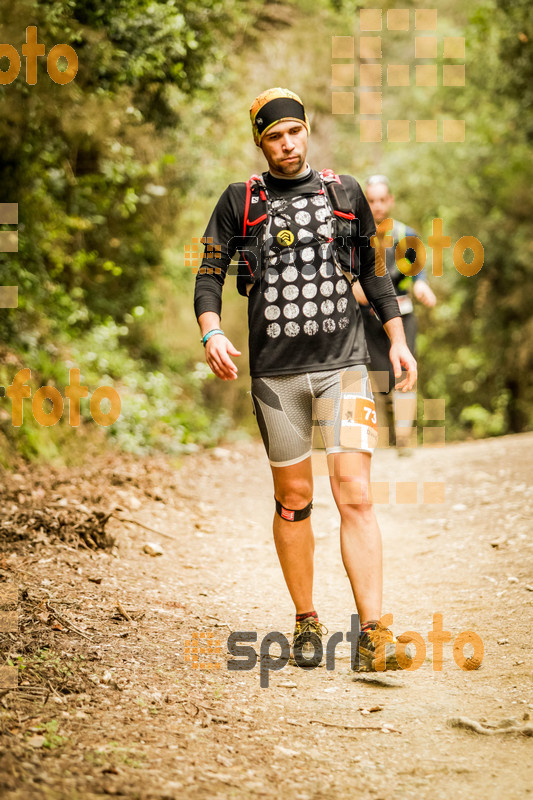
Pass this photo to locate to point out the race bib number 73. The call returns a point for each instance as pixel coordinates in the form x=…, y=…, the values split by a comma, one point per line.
x=359, y=427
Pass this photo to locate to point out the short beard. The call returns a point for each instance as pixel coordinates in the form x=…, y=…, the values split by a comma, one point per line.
x=291, y=169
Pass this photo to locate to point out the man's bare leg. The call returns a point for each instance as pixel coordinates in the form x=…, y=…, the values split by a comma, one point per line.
x=295, y=544
x=360, y=534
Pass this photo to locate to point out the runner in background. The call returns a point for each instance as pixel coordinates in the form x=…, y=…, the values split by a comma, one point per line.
x=400, y=425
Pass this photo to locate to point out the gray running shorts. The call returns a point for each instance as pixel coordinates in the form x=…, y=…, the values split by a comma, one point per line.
x=332, y=410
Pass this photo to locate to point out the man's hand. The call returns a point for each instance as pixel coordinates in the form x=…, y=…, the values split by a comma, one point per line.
x=423, y=292
x=401, y=356
x=217, y=354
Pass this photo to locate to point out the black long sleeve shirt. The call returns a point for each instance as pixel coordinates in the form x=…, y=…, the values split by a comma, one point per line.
x=302, y=314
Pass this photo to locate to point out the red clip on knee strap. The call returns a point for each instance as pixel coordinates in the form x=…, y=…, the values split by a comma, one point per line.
x=293, y=515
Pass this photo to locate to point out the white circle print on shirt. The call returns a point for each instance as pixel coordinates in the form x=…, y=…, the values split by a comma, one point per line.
x=271, y=294
x=271, y=275
x=311, y=327
x=291, y=310
x=304, y=236
x=309, y=290
x=342, y=286
x=289, y=274
x=273, y=330
x=288, y=256
x=321, y=214
x=308, y=272
x=302, y=218
x=310, y=309
x=300, y=203
x=290, y=292
x=292, y=329
x=272, y=312
x=325, y=251
x=342, y=305
x=327, y=269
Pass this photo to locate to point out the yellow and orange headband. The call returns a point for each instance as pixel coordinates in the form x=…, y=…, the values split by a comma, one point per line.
x=273, y=106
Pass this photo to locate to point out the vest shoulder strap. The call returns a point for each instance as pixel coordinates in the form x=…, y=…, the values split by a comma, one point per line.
x=337, y=194
x=255, y=204
x=343, y=211
x=255, y=207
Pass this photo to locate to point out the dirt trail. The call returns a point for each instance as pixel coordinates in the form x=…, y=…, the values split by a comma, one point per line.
x=120, y=711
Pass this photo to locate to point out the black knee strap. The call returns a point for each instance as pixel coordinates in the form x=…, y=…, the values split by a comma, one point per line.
x=293, y=515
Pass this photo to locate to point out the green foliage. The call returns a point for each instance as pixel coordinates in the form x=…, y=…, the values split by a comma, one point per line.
x=491, y=183
x=99, y=168
x=52, y=739
x=114, y=172
x=158, y=411
x=476, y=347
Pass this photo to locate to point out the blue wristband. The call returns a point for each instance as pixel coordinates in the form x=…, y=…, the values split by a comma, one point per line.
x=209, y=334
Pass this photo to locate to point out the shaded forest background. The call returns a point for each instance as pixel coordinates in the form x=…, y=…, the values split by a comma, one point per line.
x=115, y=173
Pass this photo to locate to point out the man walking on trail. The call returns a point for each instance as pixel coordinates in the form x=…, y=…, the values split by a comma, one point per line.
x=397, y=416
x=307, y=351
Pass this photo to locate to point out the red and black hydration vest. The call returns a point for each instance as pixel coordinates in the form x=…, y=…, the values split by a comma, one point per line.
x=257, y=238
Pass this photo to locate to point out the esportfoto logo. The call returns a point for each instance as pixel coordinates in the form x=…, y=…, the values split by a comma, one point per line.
x=246, y=658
